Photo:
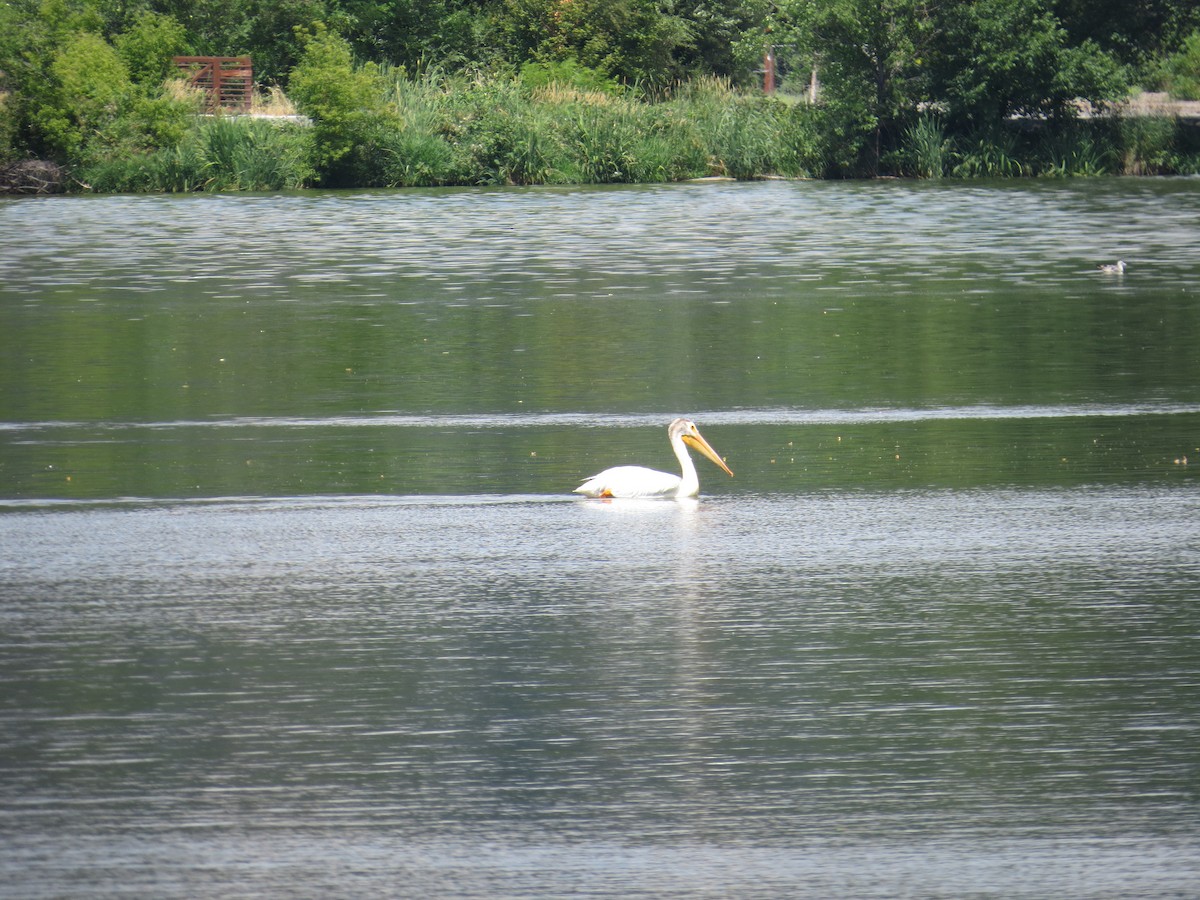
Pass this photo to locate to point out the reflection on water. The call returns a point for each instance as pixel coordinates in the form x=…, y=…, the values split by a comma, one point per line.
x=295, y=600
x=637, y=301
x=855, y=688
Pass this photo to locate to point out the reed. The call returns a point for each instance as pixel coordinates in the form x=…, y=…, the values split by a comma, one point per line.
x=1146, y=144
x=605, y=148
x=1070, y=151
x=181, y=169
x=255, y=154
x=272, y=102
x=992, y=154
x=221, y=154
x=929, y=151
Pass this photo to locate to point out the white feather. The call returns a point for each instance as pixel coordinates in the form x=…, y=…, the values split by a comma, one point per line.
x=631, y=481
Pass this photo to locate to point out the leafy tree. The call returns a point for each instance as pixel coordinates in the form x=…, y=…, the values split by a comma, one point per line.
x=83, y=88
x=979, y=62
x=31, y=35
x=263, y=29
x=1179, y=73
x=90, y=85
x=417, y=34
x=147, y=46
x=1136, y=32
x=996, y=58
x=633, y=41
x=870, y=54
x=345, y=101
x=728, y=38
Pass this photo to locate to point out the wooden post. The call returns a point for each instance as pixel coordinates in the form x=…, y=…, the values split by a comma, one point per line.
x=769, y=71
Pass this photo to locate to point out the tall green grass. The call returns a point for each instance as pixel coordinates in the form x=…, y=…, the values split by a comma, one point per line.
x=1072, y=152
x=513, y=131
x=929, y=151
x=995, y=153
x=1146, y=145
x=218, y=154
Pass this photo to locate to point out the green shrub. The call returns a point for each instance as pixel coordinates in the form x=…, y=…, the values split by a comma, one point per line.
x=488, y=123
x=740, y=134
x=609, y=147
x=147, y=46
x=412, y=158
x=8, y=129
x=1070, y=151
x=180, y=169
x=845, y=130
x=416, y=153
x=991, y=154
x=255, y=155
x=1145, y=144
x=567, y=73
x=1179, y=73
x=800, y=141
x=90, y=86
x=347, y=105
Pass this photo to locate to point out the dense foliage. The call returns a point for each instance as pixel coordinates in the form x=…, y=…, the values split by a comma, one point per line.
x=521, y=91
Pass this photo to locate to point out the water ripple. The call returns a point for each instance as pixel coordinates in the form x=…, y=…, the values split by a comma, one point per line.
x=889, y=234
x=762, y=416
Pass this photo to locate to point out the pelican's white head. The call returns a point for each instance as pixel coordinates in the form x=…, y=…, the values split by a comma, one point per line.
x=685, y=430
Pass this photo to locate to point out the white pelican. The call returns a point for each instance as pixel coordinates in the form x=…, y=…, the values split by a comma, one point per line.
x=1117, y=268
x=638, y=481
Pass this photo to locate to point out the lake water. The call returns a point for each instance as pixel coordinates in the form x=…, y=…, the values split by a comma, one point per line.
x=295, y=600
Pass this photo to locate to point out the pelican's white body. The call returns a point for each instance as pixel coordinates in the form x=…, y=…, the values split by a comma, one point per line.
x=640, y=482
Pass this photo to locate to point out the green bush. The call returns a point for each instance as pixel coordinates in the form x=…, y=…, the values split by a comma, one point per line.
x=567, y=73
x=605, y=148
x=412, y=158
x=147, y=46
x=1183, y=158
x=846, y=130
x=347, y=105
x=416, y=152
x=1179, y=73
x=800, y=141
x=1145, y=144
x=8, y=129
x=176, y=170
x=90, y=85
x=992, y=153
x=1070, y=151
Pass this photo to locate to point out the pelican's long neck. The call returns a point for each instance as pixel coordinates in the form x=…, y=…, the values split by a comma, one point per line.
x=690, y=485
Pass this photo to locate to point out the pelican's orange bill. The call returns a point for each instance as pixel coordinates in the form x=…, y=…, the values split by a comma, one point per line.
x=693, y=439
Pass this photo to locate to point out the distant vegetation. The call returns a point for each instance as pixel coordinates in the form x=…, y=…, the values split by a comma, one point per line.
x=402, y=93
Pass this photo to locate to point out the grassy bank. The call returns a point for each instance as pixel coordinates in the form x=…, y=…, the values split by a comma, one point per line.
x=489, y=131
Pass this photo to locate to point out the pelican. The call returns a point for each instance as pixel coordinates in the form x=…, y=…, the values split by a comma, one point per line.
x=1117, y=268
x=638, y=481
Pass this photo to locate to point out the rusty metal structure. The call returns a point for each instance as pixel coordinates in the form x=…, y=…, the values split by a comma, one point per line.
x=227, y=81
